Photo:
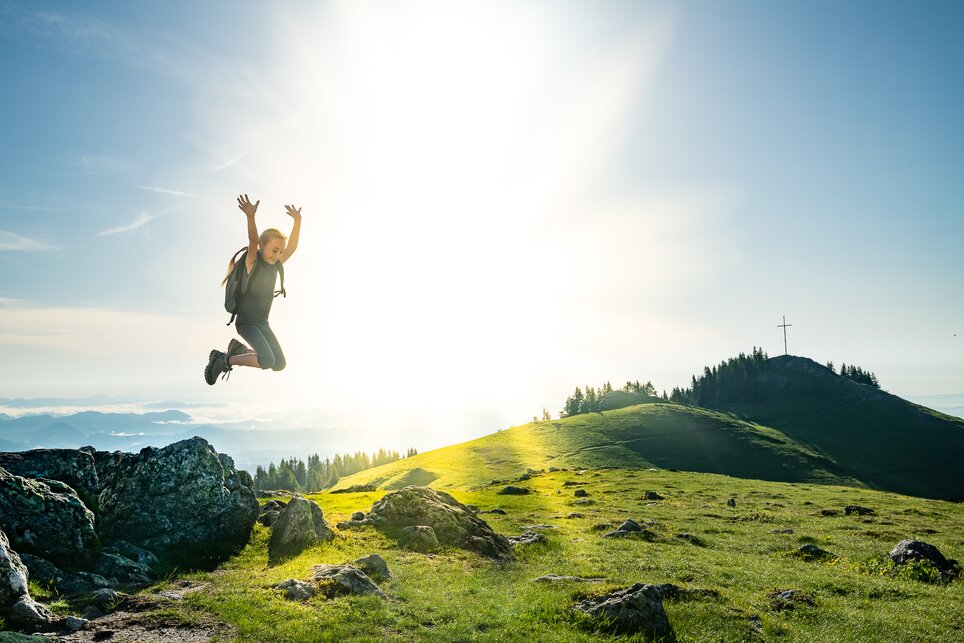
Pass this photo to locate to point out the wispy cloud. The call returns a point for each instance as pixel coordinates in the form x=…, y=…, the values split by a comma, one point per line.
x=14, y=242
x=96, y=38
x=139, y=221
x=151, y=188
x=31, y=208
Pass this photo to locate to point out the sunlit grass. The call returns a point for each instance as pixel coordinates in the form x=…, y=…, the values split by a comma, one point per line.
x=459, y=596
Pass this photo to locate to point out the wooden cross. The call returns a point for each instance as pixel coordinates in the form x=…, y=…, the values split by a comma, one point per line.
x=784, y=327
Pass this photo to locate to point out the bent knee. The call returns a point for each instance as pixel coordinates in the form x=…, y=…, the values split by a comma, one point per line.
x=279, y=365
x=267, y=361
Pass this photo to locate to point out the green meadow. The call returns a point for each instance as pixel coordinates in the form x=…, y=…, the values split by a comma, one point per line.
x=737, y=553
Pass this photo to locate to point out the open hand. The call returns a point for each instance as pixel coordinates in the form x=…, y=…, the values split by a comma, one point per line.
x=293, y=212
x=246, y=206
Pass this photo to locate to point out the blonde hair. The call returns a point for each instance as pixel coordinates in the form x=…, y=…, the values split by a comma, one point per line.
x=267, y=236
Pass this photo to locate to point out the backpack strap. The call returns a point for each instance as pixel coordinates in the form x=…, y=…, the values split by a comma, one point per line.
x=281, y=270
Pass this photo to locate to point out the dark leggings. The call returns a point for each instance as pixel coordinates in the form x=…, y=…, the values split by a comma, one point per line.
x=261, y=338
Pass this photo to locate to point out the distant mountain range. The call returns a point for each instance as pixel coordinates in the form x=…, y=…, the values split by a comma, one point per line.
x=814, y=426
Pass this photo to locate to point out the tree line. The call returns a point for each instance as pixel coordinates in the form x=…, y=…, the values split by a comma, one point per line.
x=294, y=474
x=591, y=400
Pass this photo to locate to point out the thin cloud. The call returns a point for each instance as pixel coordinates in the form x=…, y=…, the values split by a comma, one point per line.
x=31, y=208
x=99, y=165
x=14, y=242
x=139, y=221
x=151, y=188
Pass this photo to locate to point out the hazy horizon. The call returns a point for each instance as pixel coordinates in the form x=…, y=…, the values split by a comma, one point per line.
x=501, y=201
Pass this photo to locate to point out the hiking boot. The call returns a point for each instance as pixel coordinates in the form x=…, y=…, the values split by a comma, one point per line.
x=217, y=364
x=237, y=348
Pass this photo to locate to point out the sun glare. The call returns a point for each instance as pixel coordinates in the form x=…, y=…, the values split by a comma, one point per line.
x=447, y=146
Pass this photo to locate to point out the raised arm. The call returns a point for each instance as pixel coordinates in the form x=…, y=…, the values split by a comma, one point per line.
x=292, y=245
x=249, y=210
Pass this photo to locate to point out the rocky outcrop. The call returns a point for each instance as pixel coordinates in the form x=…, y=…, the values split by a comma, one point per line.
x=300, y=525
x=634, y=610
x=13, y=575
x=454, y=524
x=374, y=567
x=73, y=467
x=45, y=517
x=184, y=502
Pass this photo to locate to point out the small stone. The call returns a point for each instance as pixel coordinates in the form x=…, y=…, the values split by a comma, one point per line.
x=334, y=580
x=575, y=515
x=731, y=502
x=73, y=623
x=812, y=552
x=860, y=511
x=511, y=490
x=358, y=515
x=629, y=525
x=529, y=538
x=781, y=531
x=581, y=493
x=652, y=495
x=296, y=590
x=829, y=512
x=788, y=599
x=584, y=501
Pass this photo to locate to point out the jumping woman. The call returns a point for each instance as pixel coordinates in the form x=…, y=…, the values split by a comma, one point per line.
x=265, y=254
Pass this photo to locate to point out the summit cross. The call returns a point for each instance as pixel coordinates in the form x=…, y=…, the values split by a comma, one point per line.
x=784, y=327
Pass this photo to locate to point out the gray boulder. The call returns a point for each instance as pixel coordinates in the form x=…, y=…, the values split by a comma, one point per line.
x=133, y=552
x=111, y=564
x=453, y=523
x=581, y=493
x=45, y=517
x=812, y=552
x=916, y=550
x=296, y=590
x=184, y=502
x=358, y=515
x=634, y=610
x=13, y=575
x=420, y=538
x=336, y=580
x=73, y=467
x=29, y=615
x=652, y=495
x=511, y=490
x=374, y=567
x=300, y=525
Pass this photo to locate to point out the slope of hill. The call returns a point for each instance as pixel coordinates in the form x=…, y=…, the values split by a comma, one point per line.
x=663, y=435
x=880, y=439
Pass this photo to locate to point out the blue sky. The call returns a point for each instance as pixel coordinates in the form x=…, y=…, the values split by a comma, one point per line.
x=502, y=200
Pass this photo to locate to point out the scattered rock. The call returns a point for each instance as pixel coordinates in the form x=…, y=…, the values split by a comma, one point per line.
x=111, y=564
x=301, y=525
x=812, y=552
x=581, y=493
x=133, y=552
x=45, y=518
x=335, y=580
x=529, y=538
x=454, y=525
x=829, y=512
x=511, y=490
x=908, y=550
x=629, y=525
x=603, y=526
x=553, y=578
x=575, y=515
x=357, y=488
x=731, y=502
x=358, y=515
x=636, y=609
x=643, y=534
x=185, y=502
x=584, y=501
x=860, y=511
x=270, y=512
x=421, y=538
x=296, y=590
x=498, y=511
x=538, y=527
x=572, y=483
x=784, y=600
x=652, y=495
x=28, y=615
x=374, y=567
x=351, y=524
x=781, y=531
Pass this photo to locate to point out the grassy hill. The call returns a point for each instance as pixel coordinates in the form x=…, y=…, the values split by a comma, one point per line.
x=868, y=434
x=662, y=435
x=807, y=424
x=743, y=553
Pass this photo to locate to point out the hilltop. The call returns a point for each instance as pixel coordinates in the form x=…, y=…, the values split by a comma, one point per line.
x=805, y=424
